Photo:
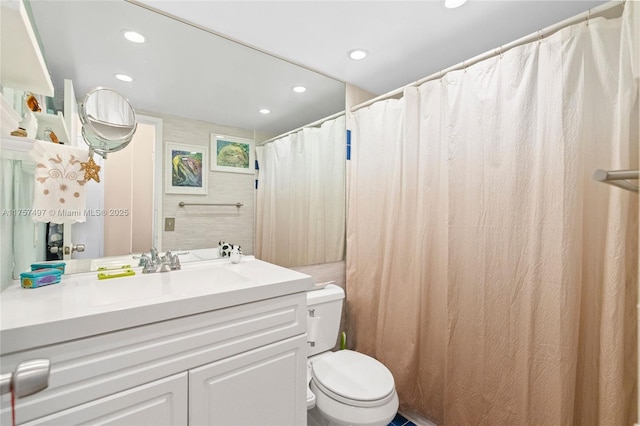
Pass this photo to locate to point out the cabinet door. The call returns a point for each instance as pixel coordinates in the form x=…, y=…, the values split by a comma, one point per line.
x=265, y=386
x=163, y=402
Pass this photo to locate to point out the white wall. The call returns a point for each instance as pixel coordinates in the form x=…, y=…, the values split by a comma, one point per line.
x=128, y=199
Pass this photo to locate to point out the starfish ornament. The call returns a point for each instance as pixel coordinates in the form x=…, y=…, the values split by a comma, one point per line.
x=91, y=170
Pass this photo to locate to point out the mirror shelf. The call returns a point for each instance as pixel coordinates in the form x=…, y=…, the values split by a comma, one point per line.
x=54, y=122
x=15, y=148
x=17, y=114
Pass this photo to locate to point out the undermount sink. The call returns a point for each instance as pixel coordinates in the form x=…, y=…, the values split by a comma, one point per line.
x=206, y=254
x=186, y=257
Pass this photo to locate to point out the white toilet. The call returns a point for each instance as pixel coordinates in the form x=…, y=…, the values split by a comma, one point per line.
x=345, y=387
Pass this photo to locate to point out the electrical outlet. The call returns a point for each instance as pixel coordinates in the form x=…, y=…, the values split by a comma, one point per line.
x=169, y=224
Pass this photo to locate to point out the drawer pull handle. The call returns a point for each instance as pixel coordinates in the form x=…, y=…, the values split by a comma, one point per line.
x=28, y=378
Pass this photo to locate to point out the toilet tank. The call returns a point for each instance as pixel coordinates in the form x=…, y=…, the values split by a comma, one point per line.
x=324, y=309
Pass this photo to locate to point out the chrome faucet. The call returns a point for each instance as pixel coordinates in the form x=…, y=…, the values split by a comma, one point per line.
x=169, y=262
x=154, y=254
x=155, y=263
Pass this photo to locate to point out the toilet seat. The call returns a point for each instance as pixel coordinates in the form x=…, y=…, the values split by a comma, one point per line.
x=311, y=397
x=353, y=378
x=338, y=413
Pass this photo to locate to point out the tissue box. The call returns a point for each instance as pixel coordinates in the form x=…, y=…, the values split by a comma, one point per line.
x=40, y=278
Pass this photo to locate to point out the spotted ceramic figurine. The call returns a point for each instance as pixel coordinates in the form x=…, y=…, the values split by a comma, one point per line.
x=226, y=249
x=235, y=255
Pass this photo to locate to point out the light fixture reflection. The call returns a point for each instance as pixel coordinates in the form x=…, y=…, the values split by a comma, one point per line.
x=452, y=4
x=358, y=54
x=124, y=77
x=133, y=36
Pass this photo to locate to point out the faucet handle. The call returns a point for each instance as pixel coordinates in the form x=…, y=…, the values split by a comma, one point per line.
x=154, y=254
x=175, y=262
x=147, y=264
x=144, y=259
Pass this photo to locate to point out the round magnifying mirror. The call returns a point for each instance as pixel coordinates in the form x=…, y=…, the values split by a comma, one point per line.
x=108, y=120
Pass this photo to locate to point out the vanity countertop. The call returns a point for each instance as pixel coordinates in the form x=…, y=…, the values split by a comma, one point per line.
x=81, y=305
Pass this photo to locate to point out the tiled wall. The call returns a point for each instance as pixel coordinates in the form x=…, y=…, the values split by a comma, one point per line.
x=203, y=227
x=324, y=272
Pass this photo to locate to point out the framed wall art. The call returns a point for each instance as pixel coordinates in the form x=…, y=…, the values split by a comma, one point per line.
x=232, y=154
x=186, y=169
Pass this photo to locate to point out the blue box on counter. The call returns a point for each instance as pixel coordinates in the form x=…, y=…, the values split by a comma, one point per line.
x=40, y=277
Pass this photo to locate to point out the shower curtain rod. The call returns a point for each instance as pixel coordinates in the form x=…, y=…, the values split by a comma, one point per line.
x=314, y=124
x=540, y=34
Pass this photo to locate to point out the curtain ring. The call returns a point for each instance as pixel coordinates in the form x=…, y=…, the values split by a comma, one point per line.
x=588, y=16
x=540, y=36
x=464, y=66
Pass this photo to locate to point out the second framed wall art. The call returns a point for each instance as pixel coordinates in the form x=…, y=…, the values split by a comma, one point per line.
x=232, y=154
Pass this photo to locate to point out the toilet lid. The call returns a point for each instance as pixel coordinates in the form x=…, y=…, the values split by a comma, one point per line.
x=353, y=378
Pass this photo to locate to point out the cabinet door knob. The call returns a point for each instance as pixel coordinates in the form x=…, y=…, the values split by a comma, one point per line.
x=28, y=378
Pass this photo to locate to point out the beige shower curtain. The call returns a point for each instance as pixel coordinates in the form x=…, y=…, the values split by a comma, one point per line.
x=485, y=267
x=301, y=196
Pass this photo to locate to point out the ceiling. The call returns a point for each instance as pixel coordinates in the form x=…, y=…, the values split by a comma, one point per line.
x=406, y=40
x=186, y=71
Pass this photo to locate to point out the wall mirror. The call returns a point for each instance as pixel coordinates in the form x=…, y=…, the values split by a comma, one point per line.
x=184, y=76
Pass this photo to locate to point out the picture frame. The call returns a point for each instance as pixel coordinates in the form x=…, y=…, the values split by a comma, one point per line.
x=232, y=154
x=186, y=169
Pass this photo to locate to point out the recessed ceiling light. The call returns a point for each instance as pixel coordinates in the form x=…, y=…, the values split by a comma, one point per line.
x=124, y=77
x=264, y=111
x=357, y=54
x=452, y=4
x=299, y=89
x=133, y=36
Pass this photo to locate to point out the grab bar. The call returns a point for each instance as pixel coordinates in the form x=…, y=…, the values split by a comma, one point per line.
x=619, y=178
x=182, y=204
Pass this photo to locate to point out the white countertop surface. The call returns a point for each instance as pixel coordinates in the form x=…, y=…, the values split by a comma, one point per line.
x=81, y=305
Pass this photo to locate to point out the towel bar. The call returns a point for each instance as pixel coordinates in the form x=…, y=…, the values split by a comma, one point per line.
x=182, y=204
x=619, y=178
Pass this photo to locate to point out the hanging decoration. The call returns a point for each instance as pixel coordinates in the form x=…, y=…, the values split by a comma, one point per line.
x=91, y=169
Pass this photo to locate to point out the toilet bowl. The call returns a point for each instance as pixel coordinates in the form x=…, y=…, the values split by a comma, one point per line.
x=345, y=387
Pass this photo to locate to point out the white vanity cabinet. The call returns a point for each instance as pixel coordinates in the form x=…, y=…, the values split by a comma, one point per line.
x=160, y=403
x=258, y=387
x=163, y=359
x=266, y=380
